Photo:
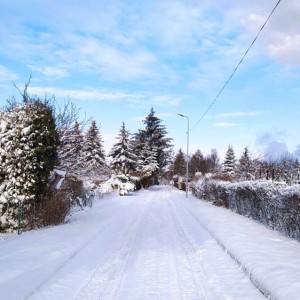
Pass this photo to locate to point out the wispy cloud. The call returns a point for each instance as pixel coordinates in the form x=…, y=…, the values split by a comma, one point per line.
x=142, y=99
x=6, y=74
x=239, y=114
x=226, y=124
x=51, y=72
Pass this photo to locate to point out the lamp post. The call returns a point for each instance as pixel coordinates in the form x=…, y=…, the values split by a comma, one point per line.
x=187, y=154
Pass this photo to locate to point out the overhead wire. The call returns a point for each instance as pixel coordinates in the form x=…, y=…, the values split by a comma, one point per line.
x=237, y=66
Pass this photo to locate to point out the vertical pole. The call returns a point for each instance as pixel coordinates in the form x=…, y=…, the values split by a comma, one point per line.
x=187, y=154
x=187, y=159
x=19, y=215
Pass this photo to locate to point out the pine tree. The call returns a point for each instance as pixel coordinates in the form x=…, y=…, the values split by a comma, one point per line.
x=154, y=138
x=179, y=164
x=93, y=156
x=121, y=152
x=71, y=148
x=230, y=161
x=147, y=165
x=155, y=135
x=245, y=165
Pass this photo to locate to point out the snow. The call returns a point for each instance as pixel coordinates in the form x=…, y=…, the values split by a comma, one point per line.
x=152, y=244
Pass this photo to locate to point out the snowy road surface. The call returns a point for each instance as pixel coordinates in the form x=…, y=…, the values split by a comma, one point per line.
x=149, y=245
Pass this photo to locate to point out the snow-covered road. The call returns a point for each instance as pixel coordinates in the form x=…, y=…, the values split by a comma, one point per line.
x=149, y=245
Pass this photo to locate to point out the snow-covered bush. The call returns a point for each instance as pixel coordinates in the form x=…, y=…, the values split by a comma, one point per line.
x=179, y=182
x=120, y=182
x=274, y=204
x=28, y=152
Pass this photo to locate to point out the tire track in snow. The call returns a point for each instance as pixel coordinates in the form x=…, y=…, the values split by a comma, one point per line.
x=66, y=261
x=205, y=291
x=159, y=268
x=252, y=278
x=105, y=282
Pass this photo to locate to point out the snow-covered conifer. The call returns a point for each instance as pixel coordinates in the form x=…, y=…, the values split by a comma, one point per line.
x=93, y=156
x=70, y=149
x=179, y=164
x=229, y=164
x=123, y=158
x=147, y=165
x=153, y=138
x=245, y=165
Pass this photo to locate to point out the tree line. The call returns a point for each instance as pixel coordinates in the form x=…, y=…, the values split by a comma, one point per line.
x=40, y=141
x=246, y=167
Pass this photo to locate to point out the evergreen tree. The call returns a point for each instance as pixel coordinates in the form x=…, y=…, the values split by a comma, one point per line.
x=179, y=164
x=230, y=161
x=28, y=147
x=93, y=156
x=70, y=149
x=121, y=152
x=147, y=165
x=153, y=137
x=245, y=165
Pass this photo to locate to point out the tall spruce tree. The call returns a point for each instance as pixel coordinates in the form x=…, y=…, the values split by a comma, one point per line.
x=245, y=165
x=154, y=138
x=179, y=164
x=123, y=158
x=70, y=149
x=147, y=165
x=230, y=161
x=93, y=156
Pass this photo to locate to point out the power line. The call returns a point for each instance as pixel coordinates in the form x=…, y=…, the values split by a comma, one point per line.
x=240, y=62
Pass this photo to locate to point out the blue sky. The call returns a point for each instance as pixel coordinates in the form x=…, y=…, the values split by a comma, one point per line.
x=117, y=59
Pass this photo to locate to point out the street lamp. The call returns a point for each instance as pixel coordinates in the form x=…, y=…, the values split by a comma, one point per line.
x=187, y=154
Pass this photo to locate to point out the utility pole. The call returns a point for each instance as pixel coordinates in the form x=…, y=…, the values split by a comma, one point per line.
x=187, y=154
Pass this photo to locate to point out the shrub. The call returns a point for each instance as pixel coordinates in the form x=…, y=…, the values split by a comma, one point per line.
x=276, y=206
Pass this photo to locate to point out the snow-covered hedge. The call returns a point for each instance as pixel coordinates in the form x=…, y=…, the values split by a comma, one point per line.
x=274, y=204
x=119, y=182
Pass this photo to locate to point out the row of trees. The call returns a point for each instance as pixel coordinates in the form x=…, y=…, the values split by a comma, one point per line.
x=37, y=137
x=246, y=167
x=145, y=153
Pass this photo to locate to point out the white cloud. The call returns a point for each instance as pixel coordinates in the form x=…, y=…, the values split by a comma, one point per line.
x=225, y=124
x=239, y=114
x=52, y=72
x=6, y=74
x=141, y=99
x=111, y=61
x=280, y=39
x=285, y=48
x=80, y=94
